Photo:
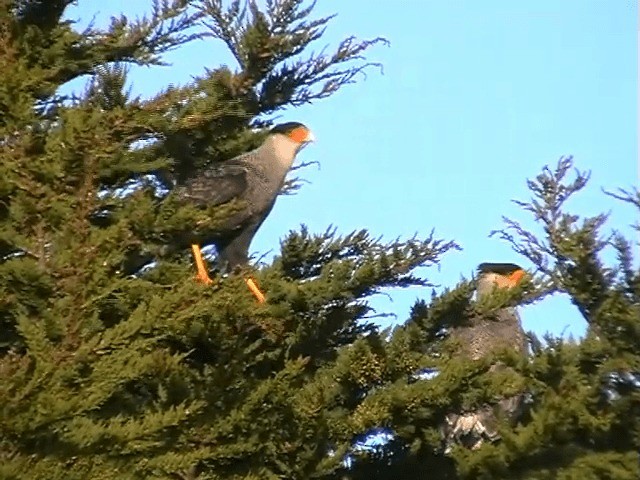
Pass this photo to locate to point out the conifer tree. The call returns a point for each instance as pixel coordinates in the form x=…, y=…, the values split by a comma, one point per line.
x=115, y=364
x=583, y=412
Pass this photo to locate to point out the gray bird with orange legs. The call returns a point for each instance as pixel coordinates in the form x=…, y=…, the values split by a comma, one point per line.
x=255, y=178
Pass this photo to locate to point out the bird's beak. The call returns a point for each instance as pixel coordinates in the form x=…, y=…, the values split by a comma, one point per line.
x=310, y=137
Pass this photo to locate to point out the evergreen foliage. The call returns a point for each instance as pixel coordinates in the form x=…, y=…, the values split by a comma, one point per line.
x=583, y=406
x=110, y=368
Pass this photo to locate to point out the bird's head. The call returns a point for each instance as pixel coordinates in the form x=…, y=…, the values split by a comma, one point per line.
x=296, y=132
x=501, y=275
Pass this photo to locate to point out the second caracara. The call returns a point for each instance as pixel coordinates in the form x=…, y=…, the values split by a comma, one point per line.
x=478, y=340
x=255, y=178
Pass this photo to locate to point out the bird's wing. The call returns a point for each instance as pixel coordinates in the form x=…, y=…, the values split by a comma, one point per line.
x=216, y=185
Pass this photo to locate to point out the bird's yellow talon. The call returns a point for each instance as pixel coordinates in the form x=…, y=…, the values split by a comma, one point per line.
x=204, y=279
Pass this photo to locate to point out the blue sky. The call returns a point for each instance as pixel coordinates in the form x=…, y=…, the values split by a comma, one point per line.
x=475, y=98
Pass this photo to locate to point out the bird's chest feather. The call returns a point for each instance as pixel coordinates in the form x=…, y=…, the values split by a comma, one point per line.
x=488, y=335
x=263, y=187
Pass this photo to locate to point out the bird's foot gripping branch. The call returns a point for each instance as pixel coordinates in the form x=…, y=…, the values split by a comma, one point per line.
x=203, y=275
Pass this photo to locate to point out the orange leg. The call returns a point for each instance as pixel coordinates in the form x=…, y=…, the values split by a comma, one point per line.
x=202, y=275
x=254, y=289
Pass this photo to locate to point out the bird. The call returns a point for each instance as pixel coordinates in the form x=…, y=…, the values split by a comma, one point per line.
x=481, y=338
x=255, y=178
